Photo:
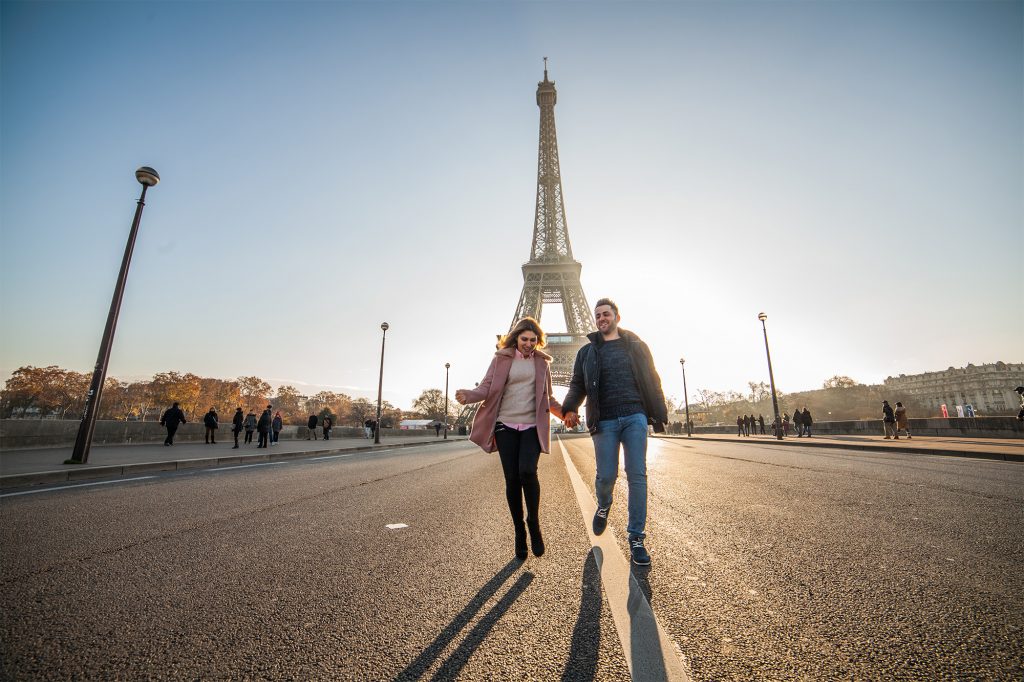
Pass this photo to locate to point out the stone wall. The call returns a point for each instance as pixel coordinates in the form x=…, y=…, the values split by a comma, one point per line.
x=978, y=427
x=34, y=433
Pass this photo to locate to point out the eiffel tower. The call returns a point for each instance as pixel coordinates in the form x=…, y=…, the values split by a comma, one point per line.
x=552, y=275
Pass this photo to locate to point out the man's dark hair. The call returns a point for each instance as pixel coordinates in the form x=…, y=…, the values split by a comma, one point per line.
x=608, y=302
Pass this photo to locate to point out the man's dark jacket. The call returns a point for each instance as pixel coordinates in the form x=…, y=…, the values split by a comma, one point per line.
x=586, y=381
x=237, y=421
x=172, y=417
x=263, y=425
x=210, y=419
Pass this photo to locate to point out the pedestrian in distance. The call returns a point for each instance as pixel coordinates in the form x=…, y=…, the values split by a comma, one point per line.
x=615, y=374
x=263, y=428
x=210, y=421
x=368, y=428
x=437, y=430
x=327, y=424
x=902, y=421
x=1020, y=394
x=276, y=427
x=785, y=424
x=808, y=420
x=515, y=420
x=746, y=425
x=798, y=422
x=311, y=426
x=236, y=425
x=888, y=420
x=760, y=422
x=739, y=426
x=250, y=426
x=171, y=418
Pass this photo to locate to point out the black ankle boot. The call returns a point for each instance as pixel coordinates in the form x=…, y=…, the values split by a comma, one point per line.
x=520, y=541
x=536, y=540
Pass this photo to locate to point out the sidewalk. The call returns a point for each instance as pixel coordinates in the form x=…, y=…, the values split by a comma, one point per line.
x=985, y=448
x=46, y=465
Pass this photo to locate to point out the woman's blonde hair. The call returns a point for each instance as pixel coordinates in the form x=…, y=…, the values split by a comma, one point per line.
x=525, y=324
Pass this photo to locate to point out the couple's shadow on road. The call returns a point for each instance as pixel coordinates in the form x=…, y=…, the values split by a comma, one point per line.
x=586, y=634
x=457, y=660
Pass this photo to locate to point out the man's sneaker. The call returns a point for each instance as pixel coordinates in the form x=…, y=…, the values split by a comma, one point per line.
x=600, y=520
x=639, y=552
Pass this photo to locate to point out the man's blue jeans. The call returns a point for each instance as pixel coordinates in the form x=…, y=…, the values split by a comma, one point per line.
x=631, y=433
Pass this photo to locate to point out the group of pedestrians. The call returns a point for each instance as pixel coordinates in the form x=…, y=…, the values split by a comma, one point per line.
x=749, y=424
x=325, y=425
x=615, y=375
x=268, y=426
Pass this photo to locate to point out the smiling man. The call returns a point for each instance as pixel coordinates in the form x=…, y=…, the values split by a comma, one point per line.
x=615, y=374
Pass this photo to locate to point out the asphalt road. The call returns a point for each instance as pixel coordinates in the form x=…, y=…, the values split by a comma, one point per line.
x=768, y=562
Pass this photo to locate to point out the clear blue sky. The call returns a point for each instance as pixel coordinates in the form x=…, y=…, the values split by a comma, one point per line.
x=856, y=170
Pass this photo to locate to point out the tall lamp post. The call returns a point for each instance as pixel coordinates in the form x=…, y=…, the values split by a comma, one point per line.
x=380, y=382
x=446, y=366
x=686, y=398
x=147, y=177
x=771, y=377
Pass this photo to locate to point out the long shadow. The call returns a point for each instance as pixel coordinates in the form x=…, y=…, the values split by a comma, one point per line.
x=648, y=662
x=450, y=669
x=421, y=663
x=586, y=634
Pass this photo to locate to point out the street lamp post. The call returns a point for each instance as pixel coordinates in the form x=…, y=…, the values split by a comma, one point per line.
x=771, y=377
x=686, y=398
x=147, y=177
x=380, y=382
x=446, y=366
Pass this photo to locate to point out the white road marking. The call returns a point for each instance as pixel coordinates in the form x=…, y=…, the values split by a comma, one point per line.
x=315, y=459
x=246, y=466
x=76, y=485
x=396, y=526
x=650, y=653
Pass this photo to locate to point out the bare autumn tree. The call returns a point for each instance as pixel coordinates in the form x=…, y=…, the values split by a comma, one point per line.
x=839, y=381
x=431, y=404
x=289, y=402
x=360, y=410
x=255, y=393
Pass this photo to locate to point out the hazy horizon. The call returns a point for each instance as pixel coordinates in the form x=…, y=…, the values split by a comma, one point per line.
x=854, y=170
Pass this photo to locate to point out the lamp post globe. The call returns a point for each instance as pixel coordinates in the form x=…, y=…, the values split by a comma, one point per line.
x=384, y=326
x=447, y=365
x=147, y=177
x=771, y=377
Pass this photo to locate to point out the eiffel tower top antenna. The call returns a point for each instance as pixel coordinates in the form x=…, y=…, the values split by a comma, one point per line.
x=545, y=68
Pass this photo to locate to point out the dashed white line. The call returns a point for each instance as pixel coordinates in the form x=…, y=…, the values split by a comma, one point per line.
x=246, y=466
x=76, y=485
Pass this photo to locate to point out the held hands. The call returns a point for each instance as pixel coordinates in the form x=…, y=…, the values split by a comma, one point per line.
x=571, y=419
x=460, y=396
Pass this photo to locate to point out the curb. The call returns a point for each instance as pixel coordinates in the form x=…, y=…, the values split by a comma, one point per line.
x=126, y=470
x=866, y=447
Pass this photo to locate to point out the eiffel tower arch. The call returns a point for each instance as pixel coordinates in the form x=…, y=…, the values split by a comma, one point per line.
x=552, y=276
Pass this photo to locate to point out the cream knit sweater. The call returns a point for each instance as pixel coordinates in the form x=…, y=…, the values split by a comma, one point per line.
x=518, y=401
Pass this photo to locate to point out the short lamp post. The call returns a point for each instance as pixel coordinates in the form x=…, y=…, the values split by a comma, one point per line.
x=447, y=365
x=771, y=377
x=686, y=399
x=147, y=177
x=380, y=382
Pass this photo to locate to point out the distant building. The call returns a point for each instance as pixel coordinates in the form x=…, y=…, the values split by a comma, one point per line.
x=988, y=388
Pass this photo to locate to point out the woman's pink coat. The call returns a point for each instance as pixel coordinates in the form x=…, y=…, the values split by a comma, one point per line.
x=493, y=385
